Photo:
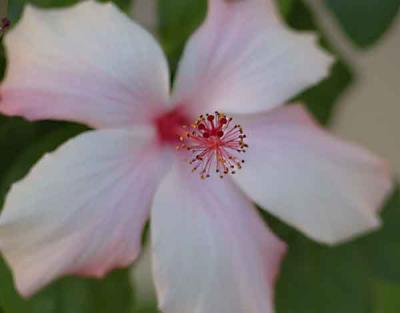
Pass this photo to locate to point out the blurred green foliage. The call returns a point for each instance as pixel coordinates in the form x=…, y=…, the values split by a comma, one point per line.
x=320, y=279
x=331, y=279
x=364, y=21
x=177, y=21
x=71, y=295
x=387, y=295
x=362, y=276
x=16, y=7
x=382, y=249
x=320, y=99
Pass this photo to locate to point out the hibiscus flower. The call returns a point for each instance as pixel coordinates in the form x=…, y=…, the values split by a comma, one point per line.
x=194, y=161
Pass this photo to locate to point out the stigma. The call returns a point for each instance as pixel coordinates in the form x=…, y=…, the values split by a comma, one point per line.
x=216, y=145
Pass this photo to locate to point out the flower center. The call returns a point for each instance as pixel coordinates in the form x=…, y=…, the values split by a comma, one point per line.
x=169, y=126
x=215, y=143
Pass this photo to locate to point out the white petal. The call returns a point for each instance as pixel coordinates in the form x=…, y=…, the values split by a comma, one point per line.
x=329, y=189
x=244, y=59
x=89, y=63
x=81, y=209
x=211, y=250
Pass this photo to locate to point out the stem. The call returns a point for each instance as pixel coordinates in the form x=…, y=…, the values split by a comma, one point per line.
x=3, y=8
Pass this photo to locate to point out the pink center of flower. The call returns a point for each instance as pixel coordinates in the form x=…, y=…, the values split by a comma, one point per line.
x=215, y=143
x=169, y=126
x=213, y=140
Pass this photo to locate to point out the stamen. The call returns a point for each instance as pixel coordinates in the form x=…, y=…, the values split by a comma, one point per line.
x=215, y=143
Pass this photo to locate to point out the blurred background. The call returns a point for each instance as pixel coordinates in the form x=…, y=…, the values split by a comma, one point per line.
x=359, y=101
x=367, y=112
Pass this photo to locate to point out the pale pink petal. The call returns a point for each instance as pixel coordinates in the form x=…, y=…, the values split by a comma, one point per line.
x=89, y=63
x=211, y=250
x=81, y=209
x=329, y=189
x=244, y=59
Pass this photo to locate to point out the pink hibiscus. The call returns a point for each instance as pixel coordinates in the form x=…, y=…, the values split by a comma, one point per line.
x=81, y=210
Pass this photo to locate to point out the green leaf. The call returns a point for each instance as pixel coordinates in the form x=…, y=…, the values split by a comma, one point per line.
x=285, y=6
x=321, y=99
x=2, y=62
x=15, y=135
x=71, y=295
x=364, y=21
x=319, y=279
x=300, y=17
x=148, y=308
x=123, y=4
x=382, y=248
x=10, y=301
x=52, y=3
x=387, y=297
x=177, y=21
x=16, y=7
x=315, y=278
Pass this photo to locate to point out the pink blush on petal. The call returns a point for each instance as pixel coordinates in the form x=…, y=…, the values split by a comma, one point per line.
x=210, y=143
x=170, y=125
